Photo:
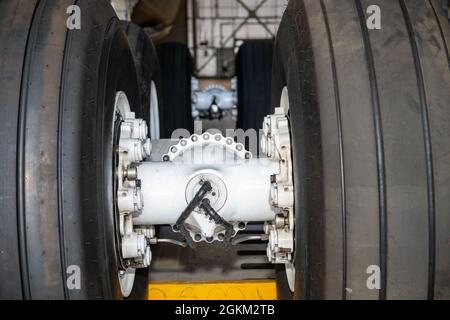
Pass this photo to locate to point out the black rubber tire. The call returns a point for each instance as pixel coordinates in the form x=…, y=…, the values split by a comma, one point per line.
x=147, y=67
x=254, y=79
x=370, y=127
x=56, y=104
x=176, y=72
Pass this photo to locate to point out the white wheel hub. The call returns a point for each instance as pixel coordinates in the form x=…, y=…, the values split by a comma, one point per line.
x=276, y=144
x=133, y=147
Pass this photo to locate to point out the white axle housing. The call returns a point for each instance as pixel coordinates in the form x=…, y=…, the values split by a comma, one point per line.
x=241, y=192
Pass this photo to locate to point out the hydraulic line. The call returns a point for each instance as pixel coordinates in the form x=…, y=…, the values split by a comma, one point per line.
x=262, y=237
x=172, y=241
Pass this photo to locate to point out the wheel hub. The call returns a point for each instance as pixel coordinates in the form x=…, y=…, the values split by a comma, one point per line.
x=276, y=144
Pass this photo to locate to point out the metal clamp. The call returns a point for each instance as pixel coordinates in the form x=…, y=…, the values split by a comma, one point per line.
x=195, y=202
x=209, y=211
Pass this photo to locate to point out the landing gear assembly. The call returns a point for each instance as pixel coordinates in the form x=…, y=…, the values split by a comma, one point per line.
x=214, y=102
x=352, y=175
x=201, y=187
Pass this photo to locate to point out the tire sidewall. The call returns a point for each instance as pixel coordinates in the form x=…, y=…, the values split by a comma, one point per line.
x=290, y=70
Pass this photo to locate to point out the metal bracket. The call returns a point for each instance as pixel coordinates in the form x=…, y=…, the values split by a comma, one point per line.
x=195, y=202
x=209, y=211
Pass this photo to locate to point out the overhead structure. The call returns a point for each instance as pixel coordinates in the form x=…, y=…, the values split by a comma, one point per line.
x=217, y=29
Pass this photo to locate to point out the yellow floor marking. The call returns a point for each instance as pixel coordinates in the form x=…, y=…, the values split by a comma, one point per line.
x=214, y=290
